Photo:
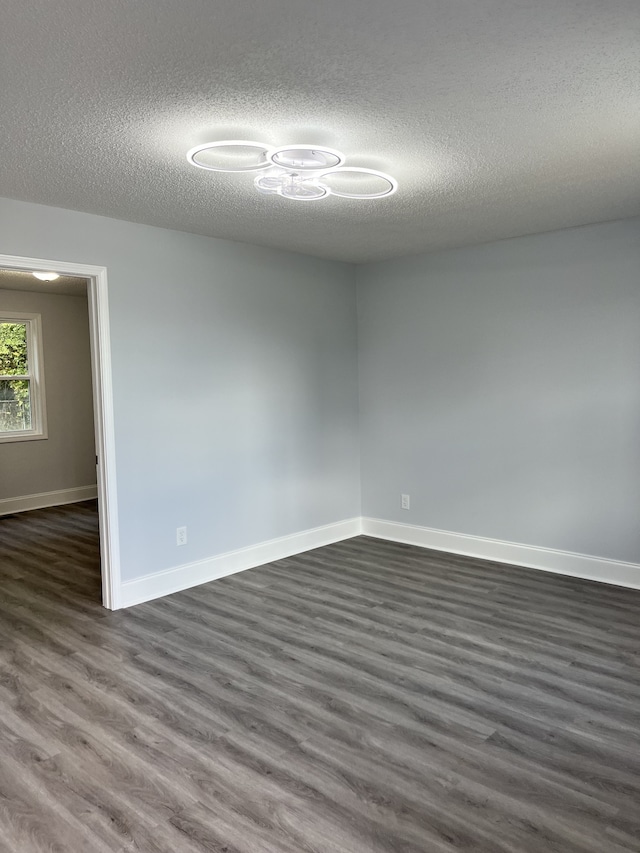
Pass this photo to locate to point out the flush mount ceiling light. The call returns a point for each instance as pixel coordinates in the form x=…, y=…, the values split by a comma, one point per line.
x=297, y=172
x=46, y=276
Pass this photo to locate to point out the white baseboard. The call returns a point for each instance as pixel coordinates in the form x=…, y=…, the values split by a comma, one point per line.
x=530, y=556
x=44, y=499
x=189, y=575
x=192, y=574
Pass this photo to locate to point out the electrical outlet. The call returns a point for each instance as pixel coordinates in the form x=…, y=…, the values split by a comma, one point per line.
x=181, y=535
x=405, y=501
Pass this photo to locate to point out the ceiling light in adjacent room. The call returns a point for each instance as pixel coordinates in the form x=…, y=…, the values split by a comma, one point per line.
x=297, y=172
x=46, y=276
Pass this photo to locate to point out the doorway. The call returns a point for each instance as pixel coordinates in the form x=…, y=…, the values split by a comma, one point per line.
x=25, y=408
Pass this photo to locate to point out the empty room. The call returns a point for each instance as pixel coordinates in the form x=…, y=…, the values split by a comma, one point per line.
x=320, y=426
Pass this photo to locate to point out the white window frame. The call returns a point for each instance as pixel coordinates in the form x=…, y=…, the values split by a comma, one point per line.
x=35, y=377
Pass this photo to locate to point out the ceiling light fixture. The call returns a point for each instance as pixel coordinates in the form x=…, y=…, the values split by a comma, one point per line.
x=297, y=172
x=46, y=276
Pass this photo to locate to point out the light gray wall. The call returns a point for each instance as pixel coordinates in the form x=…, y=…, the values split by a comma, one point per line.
x=500, y=388
x=235, y=382
x=66, y=459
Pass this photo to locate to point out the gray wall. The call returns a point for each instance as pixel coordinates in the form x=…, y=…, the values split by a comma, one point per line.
x=66, y=459
x=500, y=388
x=235, y=382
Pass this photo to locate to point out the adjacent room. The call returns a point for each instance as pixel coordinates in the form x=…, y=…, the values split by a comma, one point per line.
x=319, y=427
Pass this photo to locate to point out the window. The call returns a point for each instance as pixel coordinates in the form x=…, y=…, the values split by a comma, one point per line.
x=22, y=409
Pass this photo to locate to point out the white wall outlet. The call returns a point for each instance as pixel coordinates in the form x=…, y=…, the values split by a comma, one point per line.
x=181, y=535
x=405, y=501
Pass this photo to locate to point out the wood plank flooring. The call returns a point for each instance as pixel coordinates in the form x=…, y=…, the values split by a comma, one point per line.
x=359, y=698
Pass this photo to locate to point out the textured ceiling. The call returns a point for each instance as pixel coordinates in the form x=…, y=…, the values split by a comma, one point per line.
x=497, y=117
x=68, y=285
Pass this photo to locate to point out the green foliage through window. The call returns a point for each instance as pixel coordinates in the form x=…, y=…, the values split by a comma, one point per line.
x=13, y=349
x=15, y=396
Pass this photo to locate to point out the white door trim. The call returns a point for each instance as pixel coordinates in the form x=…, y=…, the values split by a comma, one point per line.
x=103, y=410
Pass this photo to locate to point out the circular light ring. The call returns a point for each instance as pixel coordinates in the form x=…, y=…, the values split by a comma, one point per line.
x=323, y=192
x=227, y=143
x=393, y=184
x=332, y=152
x=267, y=183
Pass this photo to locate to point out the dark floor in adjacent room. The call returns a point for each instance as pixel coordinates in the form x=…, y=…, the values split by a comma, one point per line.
x=362, y=697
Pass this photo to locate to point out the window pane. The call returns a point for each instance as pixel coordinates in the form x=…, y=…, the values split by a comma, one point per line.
x=15, y=405
x=13, y=349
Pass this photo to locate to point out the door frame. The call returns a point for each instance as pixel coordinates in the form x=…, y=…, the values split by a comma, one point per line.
x=99, y=335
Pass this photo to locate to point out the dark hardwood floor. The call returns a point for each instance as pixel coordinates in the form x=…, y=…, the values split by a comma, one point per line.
x=366, y=696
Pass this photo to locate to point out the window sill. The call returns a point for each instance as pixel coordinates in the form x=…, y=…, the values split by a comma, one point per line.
x=5, y=438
